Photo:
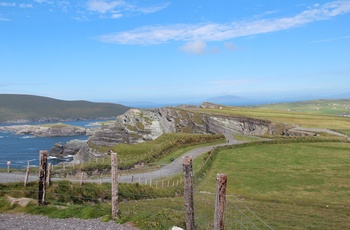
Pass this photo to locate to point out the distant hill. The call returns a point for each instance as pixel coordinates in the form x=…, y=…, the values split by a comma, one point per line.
x=230, y=100
x=15, y=107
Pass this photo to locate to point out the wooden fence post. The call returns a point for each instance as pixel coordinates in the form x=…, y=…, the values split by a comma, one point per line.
x=114, y=172
x=48, y=182
x=27, y=175
x=42, y=177
x=81, y=178
x=188, y=192
x=220, y=199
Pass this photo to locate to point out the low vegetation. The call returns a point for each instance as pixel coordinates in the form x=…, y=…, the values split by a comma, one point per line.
x=27, y=107
x=330, y=107
x=310, y=120
x=290, y=183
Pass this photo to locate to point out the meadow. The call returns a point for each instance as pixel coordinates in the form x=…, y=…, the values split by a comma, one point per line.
x=286, y=183
x=308, y=120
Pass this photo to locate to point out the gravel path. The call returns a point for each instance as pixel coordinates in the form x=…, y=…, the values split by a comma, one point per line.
x=166, y=171
x=28, y=222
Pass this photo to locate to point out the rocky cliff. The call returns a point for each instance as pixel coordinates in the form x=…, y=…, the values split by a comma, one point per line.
x=139, y=125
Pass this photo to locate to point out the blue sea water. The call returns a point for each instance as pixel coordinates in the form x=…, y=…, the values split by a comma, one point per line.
x=19, y=149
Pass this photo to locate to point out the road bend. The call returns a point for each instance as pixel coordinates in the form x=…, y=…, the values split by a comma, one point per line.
x=171, y=169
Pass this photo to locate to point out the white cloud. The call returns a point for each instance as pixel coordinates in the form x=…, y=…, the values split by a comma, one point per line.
x=7, y=4
x=332, y=39
x=102, y=6
x=195, y=47
x=22, y=5
x=40, y=1
x=4, y=19
x=152, y=9
x=221, y=32
x=230, y=46
x=116, y=15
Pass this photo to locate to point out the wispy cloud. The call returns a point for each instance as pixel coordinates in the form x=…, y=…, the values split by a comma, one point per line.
x=103, y=6
x=332, y=39
x=4, y=19
x=23, y=5
x=40, y=1
x=220, y=32
x=118, y=8
x=6, y=4
x=195, y=47
x=152, y=9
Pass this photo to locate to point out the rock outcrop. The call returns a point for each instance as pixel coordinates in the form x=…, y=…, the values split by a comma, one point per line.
x=70, y=148
x=139, y=125
x=55, y=130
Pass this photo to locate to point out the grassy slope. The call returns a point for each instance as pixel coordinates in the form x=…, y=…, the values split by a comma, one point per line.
x=331, y=107
x=311, y=120
x=291, y=186
x=17, y=107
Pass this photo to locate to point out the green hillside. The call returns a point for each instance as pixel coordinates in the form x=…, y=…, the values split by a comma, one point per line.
x=29, y=107
x=332, y=107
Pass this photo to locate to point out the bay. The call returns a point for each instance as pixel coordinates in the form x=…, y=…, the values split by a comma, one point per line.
x=19, y=149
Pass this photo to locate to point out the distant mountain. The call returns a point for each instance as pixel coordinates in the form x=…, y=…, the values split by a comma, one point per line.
x=15, y=107
x=231, y=100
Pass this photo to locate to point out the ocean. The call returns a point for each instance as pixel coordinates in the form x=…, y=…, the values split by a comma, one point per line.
x=19, y=149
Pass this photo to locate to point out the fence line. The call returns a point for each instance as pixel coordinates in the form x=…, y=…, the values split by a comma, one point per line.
x=238, y=215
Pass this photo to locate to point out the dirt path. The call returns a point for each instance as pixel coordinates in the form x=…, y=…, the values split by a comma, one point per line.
x=166, y=171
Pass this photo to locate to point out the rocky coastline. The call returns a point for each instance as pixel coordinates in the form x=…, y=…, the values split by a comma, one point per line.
x=140, y=125
x=55, y=130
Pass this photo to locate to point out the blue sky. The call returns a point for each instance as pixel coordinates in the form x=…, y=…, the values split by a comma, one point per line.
x=174, y=51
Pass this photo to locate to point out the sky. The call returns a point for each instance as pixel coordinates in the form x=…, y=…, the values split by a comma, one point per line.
x=179, y=51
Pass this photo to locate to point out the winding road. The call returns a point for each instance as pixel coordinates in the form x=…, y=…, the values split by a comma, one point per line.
x=166, y=171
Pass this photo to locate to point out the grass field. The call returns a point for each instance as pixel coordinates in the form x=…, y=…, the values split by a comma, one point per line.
x=331, y=107
x=311, y=120
x=291, y=186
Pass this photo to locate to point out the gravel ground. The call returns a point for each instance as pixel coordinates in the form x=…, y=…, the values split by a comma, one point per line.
x=28, y=222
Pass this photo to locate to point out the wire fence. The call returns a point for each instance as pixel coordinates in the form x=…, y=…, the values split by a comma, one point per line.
x=237, y=214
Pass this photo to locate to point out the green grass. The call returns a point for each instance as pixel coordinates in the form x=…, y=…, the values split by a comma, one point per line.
x=291, y=186
x=152, y=151
x=331, y=107
x=292, y=118
x=28, y=107
x=166, y=159
x=246, y=138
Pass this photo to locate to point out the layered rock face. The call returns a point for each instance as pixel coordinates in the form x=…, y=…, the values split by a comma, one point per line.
x=70, y=148
x=138, y=125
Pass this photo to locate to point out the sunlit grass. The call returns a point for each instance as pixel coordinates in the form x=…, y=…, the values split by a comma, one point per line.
x=291, y=118
x=296, y=185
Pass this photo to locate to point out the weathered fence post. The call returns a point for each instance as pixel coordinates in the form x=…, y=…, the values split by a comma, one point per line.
x=27, y=175
x=114, y=172
x=82, y=178
x=48, y=182
x=188, y=192
x=42, y=177
x=220, y=199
